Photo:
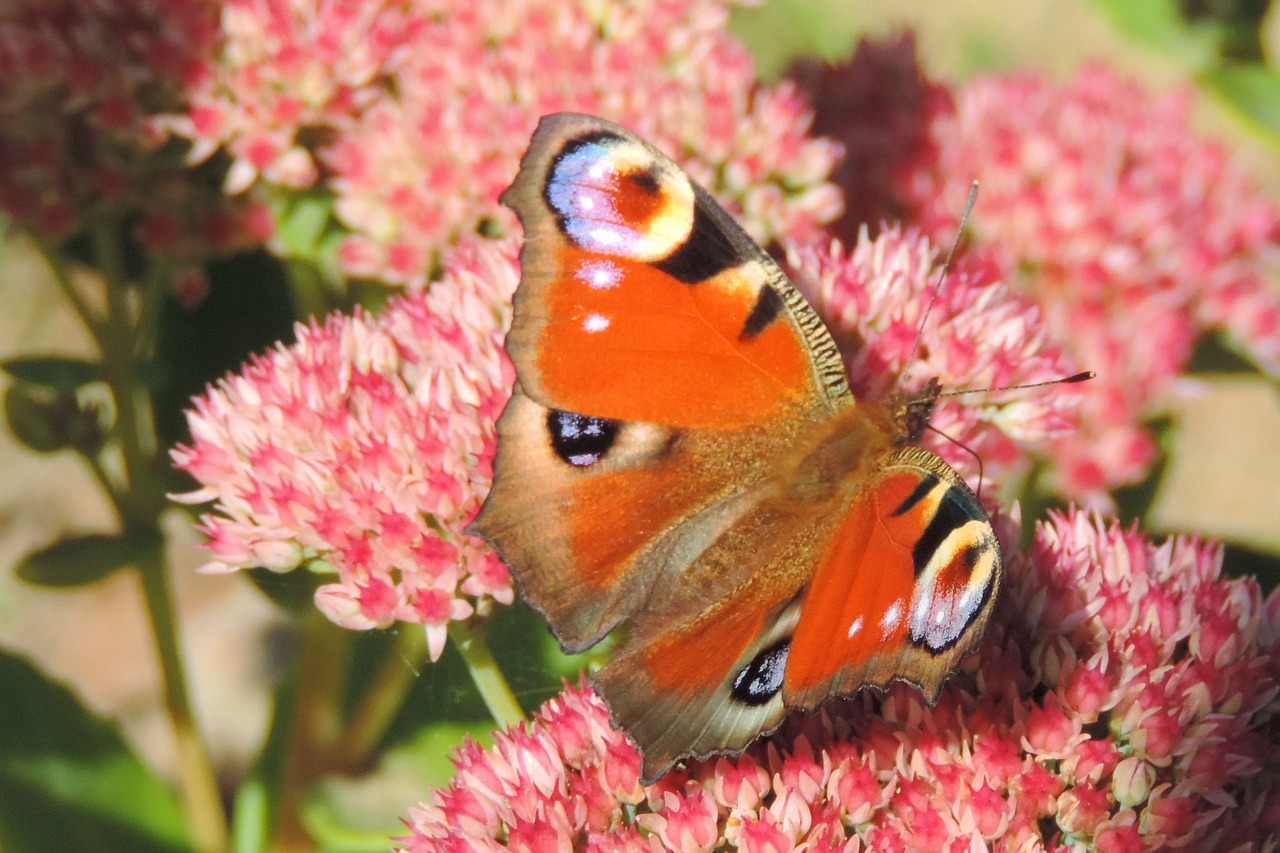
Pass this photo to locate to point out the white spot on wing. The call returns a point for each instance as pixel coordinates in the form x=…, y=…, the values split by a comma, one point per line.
x=939, y=617
x=599, y=275
x=595, y=323
x=855, y=627
x=604, y=238
x=892, y=618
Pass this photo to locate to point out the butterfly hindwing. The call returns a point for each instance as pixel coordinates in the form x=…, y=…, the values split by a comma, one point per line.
x=593, y=514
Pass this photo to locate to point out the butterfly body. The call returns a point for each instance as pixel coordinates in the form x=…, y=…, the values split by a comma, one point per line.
x=682, y=456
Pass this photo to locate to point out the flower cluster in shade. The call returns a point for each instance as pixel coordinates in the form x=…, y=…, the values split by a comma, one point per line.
x=363, y=450
x=1134, y=235
x=81, y=87
x=413, y=115
x=978, y=334
x=1124, y=700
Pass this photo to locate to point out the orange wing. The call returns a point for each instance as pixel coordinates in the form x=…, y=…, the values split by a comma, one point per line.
x=642, y=300
x=663, y=362
x=903, y=590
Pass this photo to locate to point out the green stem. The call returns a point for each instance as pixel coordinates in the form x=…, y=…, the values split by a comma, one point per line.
x=382, y=700
x=139, y=501
x=491, y=683
x=63, y=277
x=323, y=661
x=197, y=781
x=152, y=294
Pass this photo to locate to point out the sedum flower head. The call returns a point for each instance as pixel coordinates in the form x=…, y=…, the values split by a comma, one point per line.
x=414, y=114
x=978, y=334
x=364, y=449
x=81, y=87
x=1102, y=203
x=1124, y=699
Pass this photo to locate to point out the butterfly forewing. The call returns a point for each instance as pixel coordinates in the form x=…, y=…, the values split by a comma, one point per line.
x=641, y=300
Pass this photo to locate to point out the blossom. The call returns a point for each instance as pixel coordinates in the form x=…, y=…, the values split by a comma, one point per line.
x=414, y=115
x=364, y=449
x=1134, y=235
x=878, y=105
x=979, y=334
x=81, y=85
x=1123, y=699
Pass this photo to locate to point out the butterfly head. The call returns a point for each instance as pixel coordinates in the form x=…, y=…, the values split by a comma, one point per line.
x=911, y=410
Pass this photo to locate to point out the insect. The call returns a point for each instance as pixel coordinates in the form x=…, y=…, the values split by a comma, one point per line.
x=682, y=457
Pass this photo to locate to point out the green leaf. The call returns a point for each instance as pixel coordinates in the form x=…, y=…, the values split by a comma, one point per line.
x=303, y=222
x=67, y=781
x=38, y=419
x=82, y=560
x=1252, y=92
x=355, y=815
x=53, y=372
x=779, y=32
x=1159, y=25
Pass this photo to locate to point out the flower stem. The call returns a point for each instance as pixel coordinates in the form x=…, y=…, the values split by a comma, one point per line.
x=198, y=784
x=491, y=683
x=138, y=498
x=311, y=723
x=62, y=276
x=383, y=698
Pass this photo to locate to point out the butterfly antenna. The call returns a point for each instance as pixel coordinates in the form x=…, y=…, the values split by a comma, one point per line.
x=1082, y=376
x=969, y=202
x=967, y=449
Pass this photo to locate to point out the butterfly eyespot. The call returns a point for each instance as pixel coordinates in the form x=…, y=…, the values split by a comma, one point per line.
x=955, y=510
x=760, y=680
x=580, y=440
x=613, y=198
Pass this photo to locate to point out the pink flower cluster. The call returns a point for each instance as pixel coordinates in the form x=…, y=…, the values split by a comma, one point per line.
x=414, y=114
x=1123, y=700
x=1135, y=237
x=363, y=450
x=979, y=335
x=81, y=85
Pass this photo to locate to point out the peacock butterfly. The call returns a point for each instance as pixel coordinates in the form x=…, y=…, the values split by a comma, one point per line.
x=682, y=456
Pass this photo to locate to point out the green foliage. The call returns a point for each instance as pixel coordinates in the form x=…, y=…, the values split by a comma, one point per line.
x=67, y=781
x=80, y=560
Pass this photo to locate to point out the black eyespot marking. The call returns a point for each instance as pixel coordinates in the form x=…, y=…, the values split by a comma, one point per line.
x=645, y=181
x=767, y=308
x=580, y=440
x=917, y=495
x=760, y=680
x=956, y=509
x=706, y=252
